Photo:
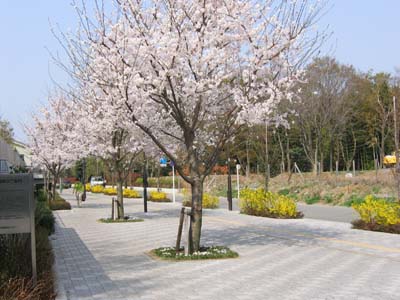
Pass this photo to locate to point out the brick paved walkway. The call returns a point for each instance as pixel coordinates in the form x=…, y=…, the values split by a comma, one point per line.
x=279, y=259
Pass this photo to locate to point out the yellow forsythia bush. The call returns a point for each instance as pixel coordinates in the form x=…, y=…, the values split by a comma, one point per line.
x=378, y=211
x=158, y=197
x=88, y=187
x=97, y=189
x=110, y=191
x=209, y=201
x=267, y=204
x=131, y=194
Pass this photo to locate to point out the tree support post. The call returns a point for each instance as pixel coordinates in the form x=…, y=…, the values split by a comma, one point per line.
x=180, y=227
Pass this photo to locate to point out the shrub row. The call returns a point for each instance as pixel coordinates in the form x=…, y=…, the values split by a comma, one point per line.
x=58, y=204
x=165, y=182
x=127, y=193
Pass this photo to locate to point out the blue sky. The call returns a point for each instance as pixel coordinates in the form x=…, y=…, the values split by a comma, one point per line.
x=366, y=34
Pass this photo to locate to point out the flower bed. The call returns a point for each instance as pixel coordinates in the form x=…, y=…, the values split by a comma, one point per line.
x=159, y=197
x=267, y=204
x=378, y=215
x=209, y=201
x=131, y=194
x=97, y=189
x=213, y=252
x=110, y=191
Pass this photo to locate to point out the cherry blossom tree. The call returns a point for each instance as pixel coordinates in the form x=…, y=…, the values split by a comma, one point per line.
x=49, y=138
x=191, y=72
x=107, y=136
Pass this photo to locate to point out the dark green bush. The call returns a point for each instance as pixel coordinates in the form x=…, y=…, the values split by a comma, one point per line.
x=60, y=205
x=44, y=217
x=41, y=197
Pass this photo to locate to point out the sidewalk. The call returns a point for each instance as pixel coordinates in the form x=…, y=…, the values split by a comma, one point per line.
x=279, y=259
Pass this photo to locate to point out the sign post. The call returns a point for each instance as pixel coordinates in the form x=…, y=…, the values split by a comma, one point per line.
x=17, y=210
x=237, y=180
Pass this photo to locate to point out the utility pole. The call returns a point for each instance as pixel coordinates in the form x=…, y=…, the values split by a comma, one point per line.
x=396, y=142
x=229, y=192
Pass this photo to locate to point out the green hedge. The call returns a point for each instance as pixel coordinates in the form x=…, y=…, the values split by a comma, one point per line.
x=165, y=182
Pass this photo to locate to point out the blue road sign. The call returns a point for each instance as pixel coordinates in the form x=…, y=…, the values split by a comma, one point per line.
x=163, y=161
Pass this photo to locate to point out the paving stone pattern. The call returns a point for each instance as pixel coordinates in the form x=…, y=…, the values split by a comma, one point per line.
x=279, y=259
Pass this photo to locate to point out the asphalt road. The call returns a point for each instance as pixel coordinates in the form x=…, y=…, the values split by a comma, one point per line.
x=313, y=211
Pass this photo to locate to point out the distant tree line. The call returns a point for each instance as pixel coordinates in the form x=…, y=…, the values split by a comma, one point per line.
x=337, y=114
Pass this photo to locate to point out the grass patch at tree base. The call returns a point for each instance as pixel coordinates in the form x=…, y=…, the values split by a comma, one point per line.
x=124, y=220
x=212, y=252
x=360, y=224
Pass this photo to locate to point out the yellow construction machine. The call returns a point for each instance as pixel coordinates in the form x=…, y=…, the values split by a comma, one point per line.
x=389, y=160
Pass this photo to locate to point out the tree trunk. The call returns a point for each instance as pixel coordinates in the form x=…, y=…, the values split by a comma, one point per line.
x=315, y=164
x=120, y=197
x=288, y=161
x=382, y=154
x=53, y=188
x=331, y=155
x=321, y=165
x=282, y=152
x=196, y=218
x=158, y=179
x=247, y=159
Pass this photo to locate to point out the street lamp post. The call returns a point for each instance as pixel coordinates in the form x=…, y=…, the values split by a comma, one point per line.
x=237, y=179
x=145, y=183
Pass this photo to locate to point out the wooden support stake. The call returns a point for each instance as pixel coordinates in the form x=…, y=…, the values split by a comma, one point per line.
x=180, y=227
x=186, y=230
